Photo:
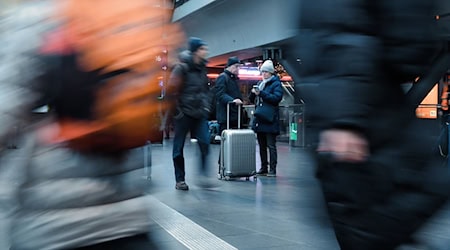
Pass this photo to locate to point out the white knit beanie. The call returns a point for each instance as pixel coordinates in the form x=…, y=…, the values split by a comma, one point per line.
x=267, y=66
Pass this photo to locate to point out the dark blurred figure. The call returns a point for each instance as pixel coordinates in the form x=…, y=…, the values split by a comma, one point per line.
x=188, y=86
x=374, y=164
x=68, y=197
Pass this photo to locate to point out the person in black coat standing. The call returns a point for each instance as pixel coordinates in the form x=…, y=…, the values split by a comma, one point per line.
x=227, y=90
x=268, y=92
x=379, y=183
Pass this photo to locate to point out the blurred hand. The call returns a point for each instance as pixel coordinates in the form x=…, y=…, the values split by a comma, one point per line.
x=344, y=145
x=255, y=91
x=238, y=101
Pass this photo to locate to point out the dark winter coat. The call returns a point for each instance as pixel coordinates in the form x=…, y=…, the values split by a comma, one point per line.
x=357, y=53
x=227, y=89
x=188, y=87
x=272, y=94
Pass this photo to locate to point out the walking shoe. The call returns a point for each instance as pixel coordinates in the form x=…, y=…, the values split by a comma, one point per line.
x=272, y=173
x=181, y=186
x=262, y=172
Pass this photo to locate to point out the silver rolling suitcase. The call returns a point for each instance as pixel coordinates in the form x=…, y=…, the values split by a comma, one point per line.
x=238, y=151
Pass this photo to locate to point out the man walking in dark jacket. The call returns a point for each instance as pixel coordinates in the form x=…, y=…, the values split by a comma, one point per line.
x=188, y=85
x=373, y=160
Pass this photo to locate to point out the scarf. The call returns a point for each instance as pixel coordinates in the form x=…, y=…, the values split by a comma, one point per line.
x=261, y=86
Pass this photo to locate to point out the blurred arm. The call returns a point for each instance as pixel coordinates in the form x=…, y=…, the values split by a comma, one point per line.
x=175, y=82
x=358, y=52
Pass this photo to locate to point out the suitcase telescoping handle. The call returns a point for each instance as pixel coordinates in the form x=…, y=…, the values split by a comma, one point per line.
x=228, y=114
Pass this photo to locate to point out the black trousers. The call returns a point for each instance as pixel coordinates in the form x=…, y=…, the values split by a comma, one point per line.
x=268, y=141
x=199, y=130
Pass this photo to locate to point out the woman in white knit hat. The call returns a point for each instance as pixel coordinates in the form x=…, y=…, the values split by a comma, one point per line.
x=266, y=96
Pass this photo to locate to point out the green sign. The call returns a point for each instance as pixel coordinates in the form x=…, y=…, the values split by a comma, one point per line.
x=293, y=132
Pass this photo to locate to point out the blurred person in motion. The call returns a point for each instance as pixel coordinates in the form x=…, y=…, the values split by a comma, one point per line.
x=68, y=197
x=227, y=91
x=188, y=87
x=374, y=163
x=268, y=93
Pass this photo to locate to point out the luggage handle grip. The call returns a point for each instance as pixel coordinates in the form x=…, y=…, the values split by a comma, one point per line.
x=228, y=114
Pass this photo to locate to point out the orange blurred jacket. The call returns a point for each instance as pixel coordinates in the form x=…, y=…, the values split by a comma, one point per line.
x=111, y=36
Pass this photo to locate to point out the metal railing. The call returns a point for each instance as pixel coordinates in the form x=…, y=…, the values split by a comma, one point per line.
x=292, y=123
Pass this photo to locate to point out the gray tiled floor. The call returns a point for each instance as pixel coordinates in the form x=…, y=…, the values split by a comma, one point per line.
x=267, y=213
